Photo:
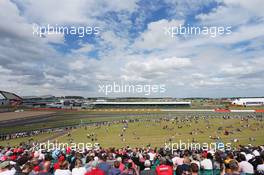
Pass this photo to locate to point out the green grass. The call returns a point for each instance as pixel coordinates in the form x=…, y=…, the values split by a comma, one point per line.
x=147, y=132
x=153, y=133
x=17, y=141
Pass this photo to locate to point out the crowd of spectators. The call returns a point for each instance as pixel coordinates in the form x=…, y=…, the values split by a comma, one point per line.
x=24, y=160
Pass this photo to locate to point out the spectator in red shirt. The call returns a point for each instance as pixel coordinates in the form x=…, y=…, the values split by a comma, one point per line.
x=60, y=161
x=95, y=170
x=164, y=169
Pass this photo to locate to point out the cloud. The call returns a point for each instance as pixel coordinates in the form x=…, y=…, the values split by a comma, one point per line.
x=69, y=12
x=155, y=33
x=153, y=68
x=132, y=47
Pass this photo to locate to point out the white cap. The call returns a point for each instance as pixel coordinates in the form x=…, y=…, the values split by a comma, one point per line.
x=256, y=153
x=249, y=156
x=119, y=159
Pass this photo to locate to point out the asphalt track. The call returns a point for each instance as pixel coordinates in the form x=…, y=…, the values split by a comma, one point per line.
x=48, y=117
x=164, y=113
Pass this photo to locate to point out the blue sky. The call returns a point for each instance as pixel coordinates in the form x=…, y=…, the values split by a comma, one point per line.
x=132, y=47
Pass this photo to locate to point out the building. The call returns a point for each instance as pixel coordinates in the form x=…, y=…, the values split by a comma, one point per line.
x=9, y=99
x=248, y=102
x=141, y=104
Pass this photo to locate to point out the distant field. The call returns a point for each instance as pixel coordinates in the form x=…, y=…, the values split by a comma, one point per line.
x=70, y=118
x=137, y=134
x=18, y=115
x=157, y=133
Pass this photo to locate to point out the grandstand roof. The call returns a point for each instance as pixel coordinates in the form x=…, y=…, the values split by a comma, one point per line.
x=142, y=103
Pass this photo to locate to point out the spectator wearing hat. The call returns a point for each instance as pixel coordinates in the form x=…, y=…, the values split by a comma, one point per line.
x=121, y=166
x=147, y=170
x=5, y=168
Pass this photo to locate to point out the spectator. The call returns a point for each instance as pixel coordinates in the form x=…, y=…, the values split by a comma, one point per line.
x=121, y=166
x=78, y=168
x=64, y=169
x=130, y=170
x=95, y=170
x=245, y=166
x=206, y=164
x=234, y=168
x=260, y=167
x=194, y=169
x=5, y=168
x=147, y=170
x=185, y=167
x=115, y=169
x=103, y=165
x=164, y=169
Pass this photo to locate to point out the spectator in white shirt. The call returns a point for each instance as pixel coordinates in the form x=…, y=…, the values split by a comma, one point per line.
x=260, y=168
x=63, y=169
x=206, y=163
x=5, y=169
x=245, y=166
x=78, y=169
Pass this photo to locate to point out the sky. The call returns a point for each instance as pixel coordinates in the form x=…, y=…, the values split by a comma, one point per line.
x=132, y=47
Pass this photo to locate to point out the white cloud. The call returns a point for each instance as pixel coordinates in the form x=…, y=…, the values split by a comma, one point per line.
x=71, y=12
x=153, y=68
x=195, y=66
x=84, y=49
x=155, y=37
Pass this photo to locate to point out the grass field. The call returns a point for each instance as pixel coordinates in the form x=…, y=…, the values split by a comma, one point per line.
x=155, y=133
x=17, y=141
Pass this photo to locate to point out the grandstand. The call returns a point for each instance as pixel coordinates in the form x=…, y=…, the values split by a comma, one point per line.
x=141, y=104
x=249, y=102
x=8, y=100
